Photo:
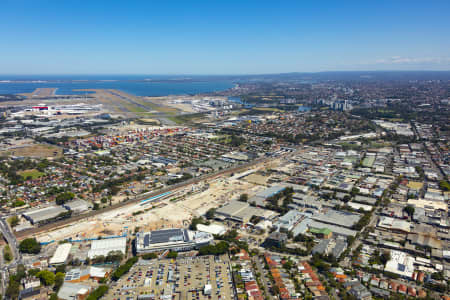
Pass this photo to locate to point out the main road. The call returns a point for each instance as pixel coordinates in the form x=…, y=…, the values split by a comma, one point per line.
x=49, y=227
x=11, y=239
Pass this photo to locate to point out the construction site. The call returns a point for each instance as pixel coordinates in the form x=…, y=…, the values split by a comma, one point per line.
x=173, y=209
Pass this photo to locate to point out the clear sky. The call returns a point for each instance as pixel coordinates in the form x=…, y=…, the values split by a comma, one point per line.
x=222, y=37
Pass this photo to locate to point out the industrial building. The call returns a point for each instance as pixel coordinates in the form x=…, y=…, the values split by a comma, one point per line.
x=394, y=225
x=242, y=212
x=276, y=239
x=105, y=246
x=171, y=239
x=70, y=291
x=307, y=224
x=339, y=218
x=401, y=264
x=61, y=254
x=44, y=215
x=214, y=229
x=79, y=275
x=288, y=221
x=77, y=206
x=334, y=247
x=260, y=198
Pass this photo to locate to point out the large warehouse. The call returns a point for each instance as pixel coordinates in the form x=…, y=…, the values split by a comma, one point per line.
x=61, y=254
x=78, y=206
x=104, y=246
x=44, y=215
x=242, y=212
x=171, y=239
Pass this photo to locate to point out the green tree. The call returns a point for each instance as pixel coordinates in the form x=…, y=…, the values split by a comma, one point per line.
x=61, y=269
x=13, y=221
x=150, y=256
x=33, y=272
x=122, y=269
x=172, y=254
x=409, y=210
x=210, y=213
x=47, y=278
x=12, y=291
x=53, y=297
x=354, y=191
x=243, y=198
x=7, y=254
x=59, y=280
x=98, y=292
x=30, y=245
x=195, y=221
x=114, y=256
x=64, y=197
x=444, y=185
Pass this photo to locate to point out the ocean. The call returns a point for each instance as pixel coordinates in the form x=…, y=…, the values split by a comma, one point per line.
x=133, y=84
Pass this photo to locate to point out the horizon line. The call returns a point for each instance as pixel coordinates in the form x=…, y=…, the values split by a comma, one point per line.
x=224, y=74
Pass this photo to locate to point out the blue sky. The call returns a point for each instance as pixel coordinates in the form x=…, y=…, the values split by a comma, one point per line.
x=221, y=37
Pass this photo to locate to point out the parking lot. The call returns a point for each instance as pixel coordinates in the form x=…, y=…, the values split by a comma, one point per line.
x=196, y=278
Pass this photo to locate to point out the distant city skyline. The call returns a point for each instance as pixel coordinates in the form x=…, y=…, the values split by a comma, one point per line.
x=232, y=37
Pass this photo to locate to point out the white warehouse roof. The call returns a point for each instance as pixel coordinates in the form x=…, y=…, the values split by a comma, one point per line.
x=104, y=246
x=212, y=229
x=61, y=254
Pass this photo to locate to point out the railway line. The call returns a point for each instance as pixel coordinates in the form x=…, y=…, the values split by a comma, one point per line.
x=52, y=226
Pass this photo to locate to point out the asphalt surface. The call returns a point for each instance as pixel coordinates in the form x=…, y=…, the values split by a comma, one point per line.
x=11, y=239
x=263, y=277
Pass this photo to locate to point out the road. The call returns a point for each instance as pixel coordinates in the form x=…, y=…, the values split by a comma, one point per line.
x=263, y=277
x=11, y=239
x=52, y=226
x=12, y=242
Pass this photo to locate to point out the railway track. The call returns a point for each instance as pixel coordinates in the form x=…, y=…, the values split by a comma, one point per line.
x=52, y=226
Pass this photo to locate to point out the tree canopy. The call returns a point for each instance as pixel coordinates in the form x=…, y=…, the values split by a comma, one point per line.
x=30, y=245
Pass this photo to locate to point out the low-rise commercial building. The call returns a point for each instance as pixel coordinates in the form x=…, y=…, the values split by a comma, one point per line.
x=44, y=215
x=171, y=239
x=104, y=246
x=61, y=254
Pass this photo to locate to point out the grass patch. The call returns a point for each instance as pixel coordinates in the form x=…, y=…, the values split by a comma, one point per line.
x=34, y=174
x=271, y=109
x=379, y=144
x=133, y=108
x=182, y=119
x=148, y=122
x=7, y=253
x=36, y=150
x=161, y=107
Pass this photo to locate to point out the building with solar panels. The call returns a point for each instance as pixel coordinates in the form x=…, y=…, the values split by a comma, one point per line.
x=171, y=239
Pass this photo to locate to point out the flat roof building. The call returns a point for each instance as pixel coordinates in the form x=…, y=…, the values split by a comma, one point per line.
x=77, y=206
x=43, y=215
x=212, y=229
x=71, y=291
x=171, y=239
x=340, y=218
x=429, y=205
x=288, y=221
x=61, y=254
x=393, y=224
x=401, y=264
x=104, y=246
x=242, y=211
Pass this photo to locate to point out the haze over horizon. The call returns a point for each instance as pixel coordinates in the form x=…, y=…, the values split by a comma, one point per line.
x=103, y=37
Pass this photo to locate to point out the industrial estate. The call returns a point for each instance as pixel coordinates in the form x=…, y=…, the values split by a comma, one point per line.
x=277, y=188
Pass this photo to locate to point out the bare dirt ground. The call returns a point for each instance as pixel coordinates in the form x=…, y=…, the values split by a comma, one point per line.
x=167, y=213
x=36, y=150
